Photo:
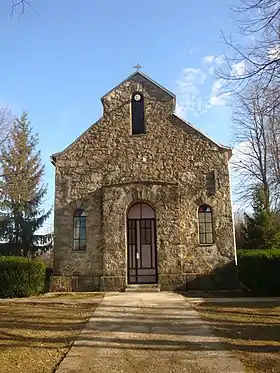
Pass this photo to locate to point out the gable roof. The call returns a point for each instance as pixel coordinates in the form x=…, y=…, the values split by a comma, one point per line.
x=54, y=155
x=141, y=74
x=173, y=118
x=188, y=127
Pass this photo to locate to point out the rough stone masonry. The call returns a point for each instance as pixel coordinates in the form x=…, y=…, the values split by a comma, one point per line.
x=172, y=166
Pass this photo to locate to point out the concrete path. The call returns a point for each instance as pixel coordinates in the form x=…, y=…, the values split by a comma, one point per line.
x=148, y=333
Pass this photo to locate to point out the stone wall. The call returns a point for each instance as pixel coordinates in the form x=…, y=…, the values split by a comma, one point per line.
x=173, y=167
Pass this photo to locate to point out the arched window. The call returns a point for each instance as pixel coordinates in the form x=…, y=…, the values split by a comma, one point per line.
x=79, y=227
x=205, y=220
x=137, y=114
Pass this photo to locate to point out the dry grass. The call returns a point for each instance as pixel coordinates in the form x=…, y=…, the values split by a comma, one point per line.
x=66, y=296
x=251, y=329
x=35, y=337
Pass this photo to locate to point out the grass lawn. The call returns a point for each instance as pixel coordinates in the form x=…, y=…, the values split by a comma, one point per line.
x=35, y=337
x=65, y=296
x=251, y=329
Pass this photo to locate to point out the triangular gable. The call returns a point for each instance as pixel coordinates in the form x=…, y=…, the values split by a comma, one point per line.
x=146, y=77
x=53, y=156
x=173, y=118
x=188, y=127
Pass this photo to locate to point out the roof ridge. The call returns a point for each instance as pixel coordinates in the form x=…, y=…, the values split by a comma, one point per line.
x=146, y=77
x=202, y=133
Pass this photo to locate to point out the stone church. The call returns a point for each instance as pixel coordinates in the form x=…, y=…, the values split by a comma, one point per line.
x=142, y=197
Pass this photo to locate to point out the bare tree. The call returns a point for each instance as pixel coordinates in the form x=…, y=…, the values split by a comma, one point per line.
x=238, y=221
x=21, y=6
x=259, y=22
x=257, y=135
x=6, y=121
x=273, y=140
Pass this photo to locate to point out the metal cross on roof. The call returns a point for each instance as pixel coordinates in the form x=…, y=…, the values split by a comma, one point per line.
x=138, y=66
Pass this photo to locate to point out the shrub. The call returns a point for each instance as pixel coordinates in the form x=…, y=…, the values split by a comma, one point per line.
x=21, y=277
x=259, y=270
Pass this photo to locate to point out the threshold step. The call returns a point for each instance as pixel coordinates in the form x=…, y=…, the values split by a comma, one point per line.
x=143, y=288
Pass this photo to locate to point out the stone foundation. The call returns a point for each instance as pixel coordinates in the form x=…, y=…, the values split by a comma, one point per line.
x=113, y=283
x=74, y=283
x=172, y=282
x=64, y=283
x=221, y=279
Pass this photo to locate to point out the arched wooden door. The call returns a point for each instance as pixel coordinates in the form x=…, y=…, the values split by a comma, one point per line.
x=141, y=245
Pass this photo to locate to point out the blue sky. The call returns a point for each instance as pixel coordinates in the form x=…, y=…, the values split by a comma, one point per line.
x=57, y=65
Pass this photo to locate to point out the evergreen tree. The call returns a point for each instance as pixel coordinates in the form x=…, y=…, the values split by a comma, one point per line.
x=262, y=229
x=22, y=192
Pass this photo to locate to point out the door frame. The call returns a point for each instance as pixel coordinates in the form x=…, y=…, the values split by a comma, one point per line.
x=155, y=267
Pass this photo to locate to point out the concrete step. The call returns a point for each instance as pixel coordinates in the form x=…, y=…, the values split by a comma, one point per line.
x=143, y=288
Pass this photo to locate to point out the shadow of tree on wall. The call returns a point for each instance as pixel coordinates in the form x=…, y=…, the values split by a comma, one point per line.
x=221, y=278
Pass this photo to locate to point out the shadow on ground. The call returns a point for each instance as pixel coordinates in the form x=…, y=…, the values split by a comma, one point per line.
x=243, y=327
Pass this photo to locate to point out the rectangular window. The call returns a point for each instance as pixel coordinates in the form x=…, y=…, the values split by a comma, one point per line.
x=137, y=114
x=205, y=221
x=79, y=231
